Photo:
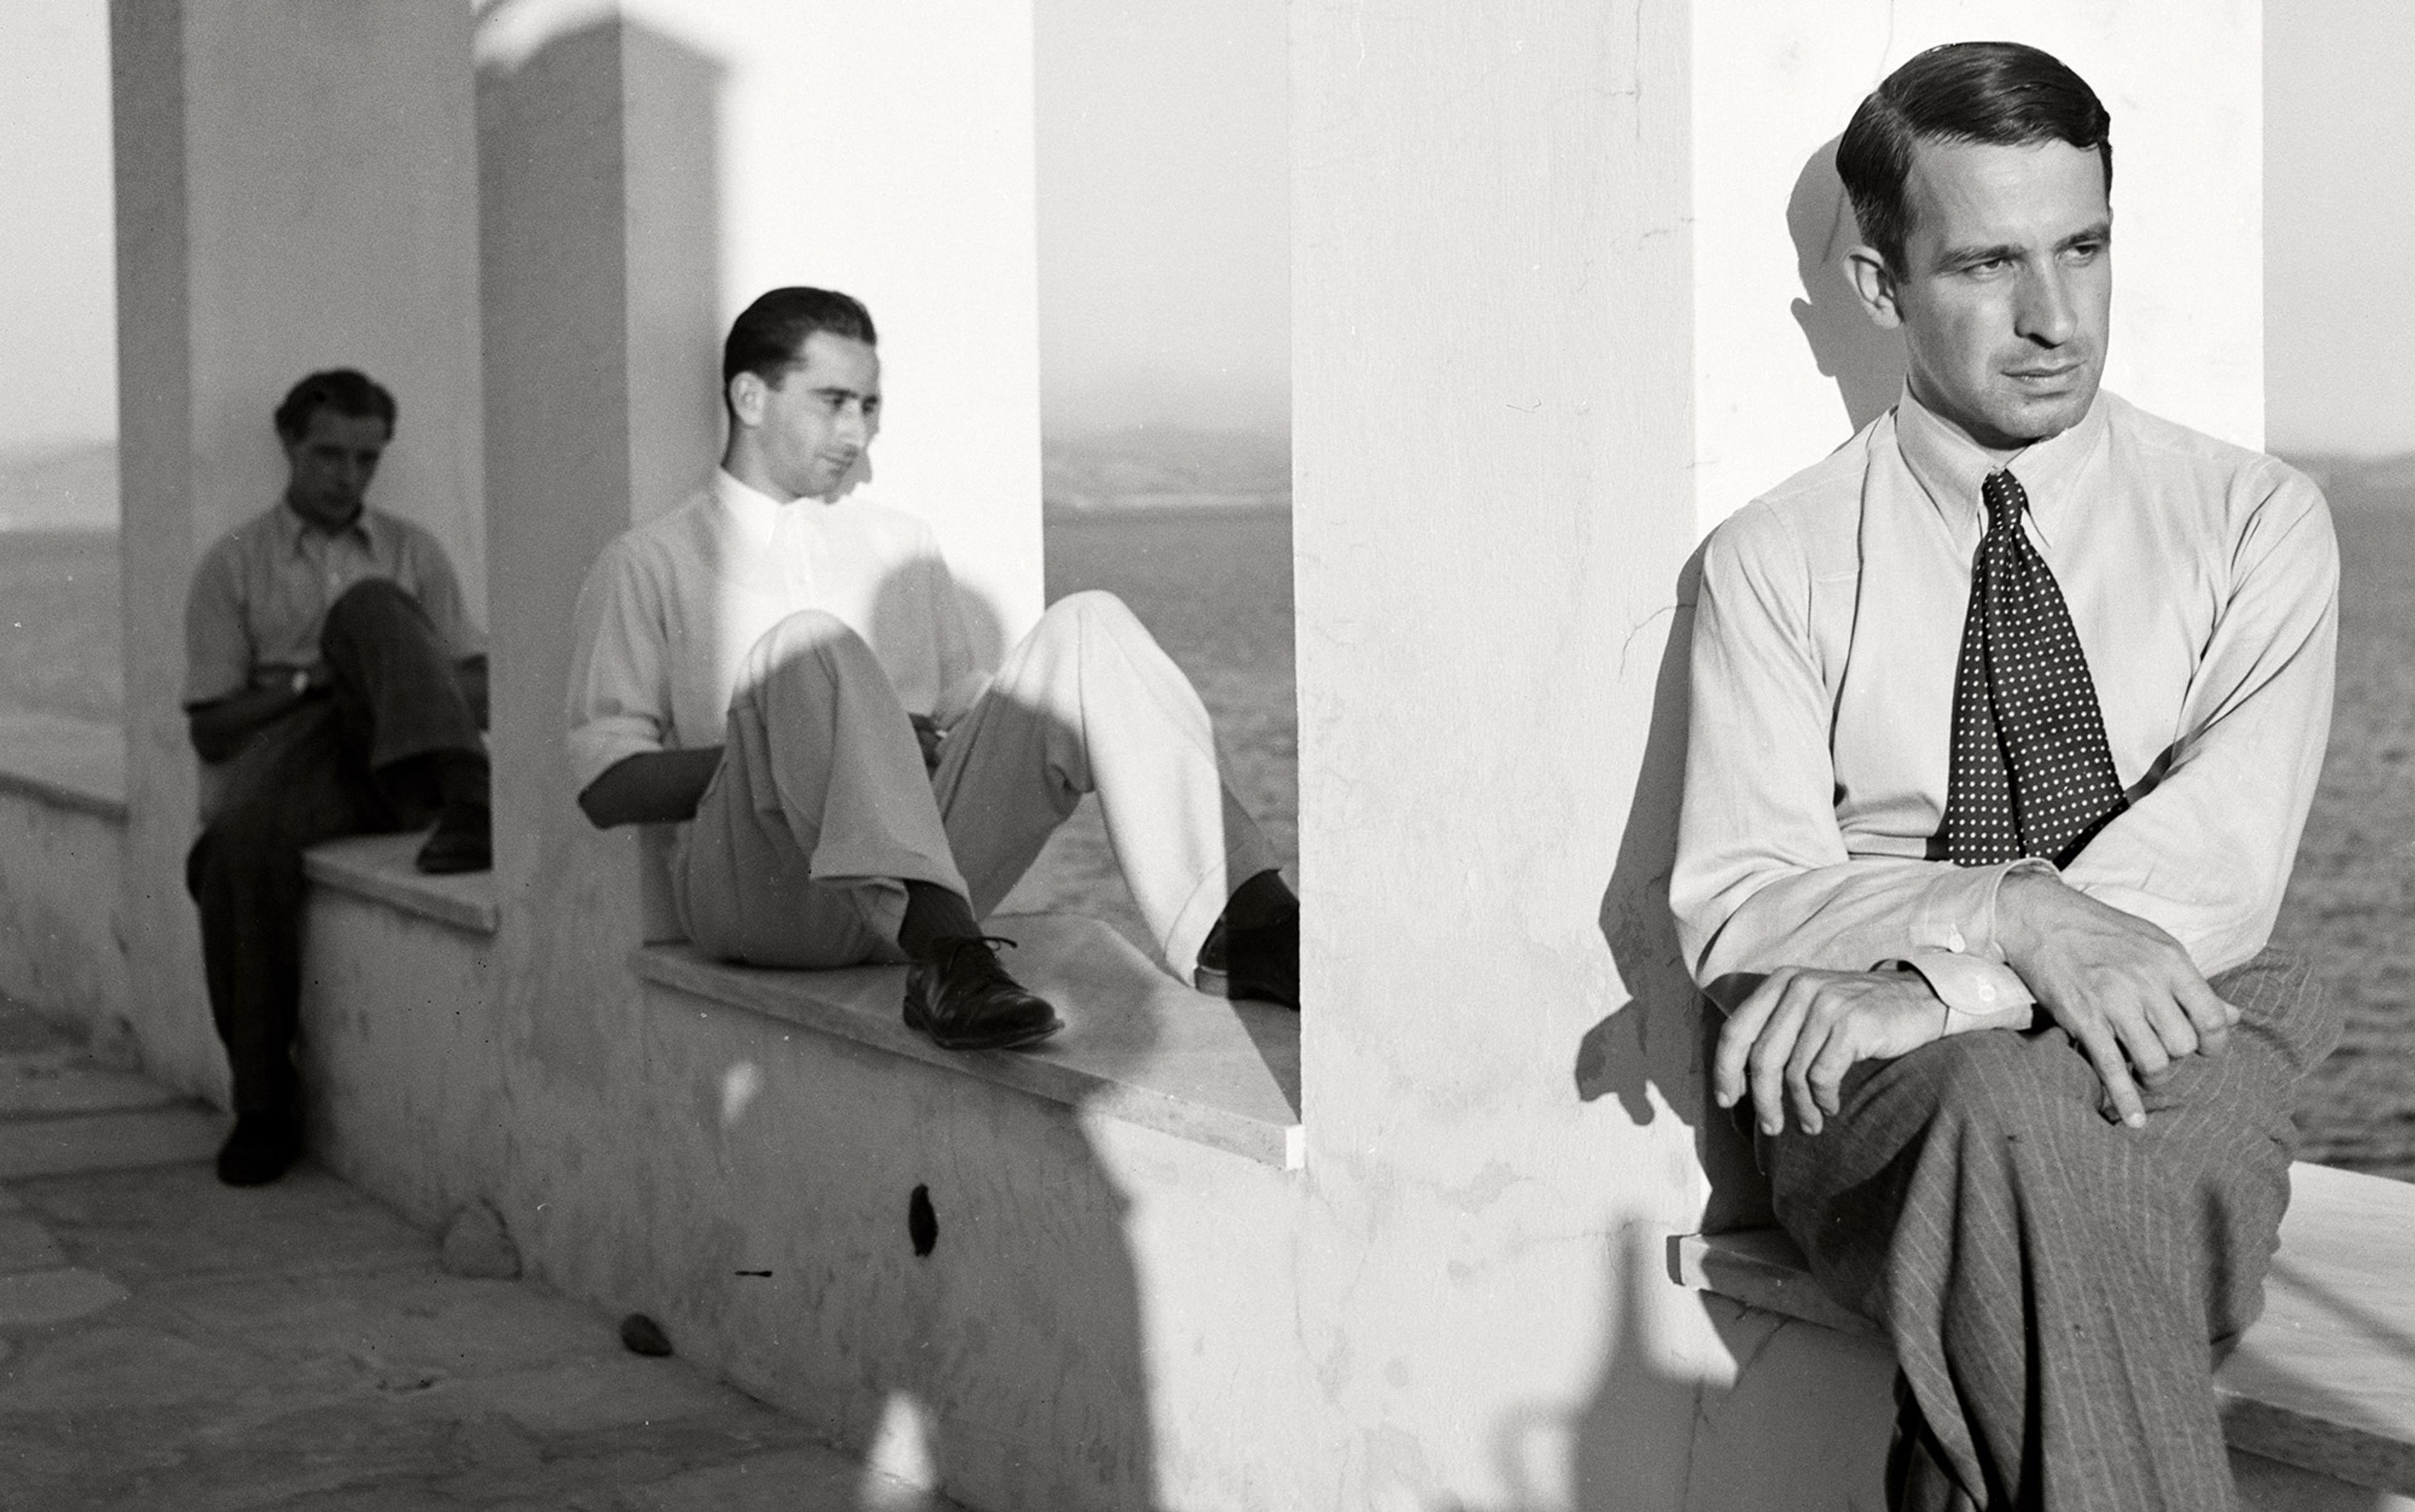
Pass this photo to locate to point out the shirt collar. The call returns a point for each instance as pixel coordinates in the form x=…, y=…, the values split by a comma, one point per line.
x=292, y=529
x=756, y=513
x=1951, y=467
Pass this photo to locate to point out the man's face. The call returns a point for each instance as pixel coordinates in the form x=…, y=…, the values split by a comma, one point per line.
x=814, y=425
x=2006, y=286
x=332, y=463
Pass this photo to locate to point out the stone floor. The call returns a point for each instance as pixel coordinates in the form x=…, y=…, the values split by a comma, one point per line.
x=166, y=1342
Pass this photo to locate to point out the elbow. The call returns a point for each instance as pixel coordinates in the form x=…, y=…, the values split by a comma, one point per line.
x=597, y=808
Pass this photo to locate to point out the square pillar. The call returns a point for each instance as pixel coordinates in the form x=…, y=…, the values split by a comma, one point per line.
x=295, y=191
x=647, y=168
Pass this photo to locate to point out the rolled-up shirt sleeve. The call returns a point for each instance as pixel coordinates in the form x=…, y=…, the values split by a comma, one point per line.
x=218, y=644
x=620, y=702
x=1762, y=879
x=2206, y=854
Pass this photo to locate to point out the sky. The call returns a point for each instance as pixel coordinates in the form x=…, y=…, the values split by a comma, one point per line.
x=2339, y=226
x=1164, y=213
x=1163, y=181
x=58, y=296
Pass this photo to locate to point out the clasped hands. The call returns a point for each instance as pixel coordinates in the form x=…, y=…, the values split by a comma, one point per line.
x=2123, y=990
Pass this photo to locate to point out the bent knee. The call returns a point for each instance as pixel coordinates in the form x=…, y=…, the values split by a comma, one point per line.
x=1092, y=612
x=807, y=630
x=1092, y=604
x=810, y=642
x=371, y=598
x=2008, y=1084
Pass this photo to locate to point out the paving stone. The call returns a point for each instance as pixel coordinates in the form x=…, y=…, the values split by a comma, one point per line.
x=295, y=1348
x=608, y=1391
x=25, y=1245
x=799, y=1480
x=476, y=1245
x=37, y=1298
x=108, y=1141
x=396, y=1322
x=67, y=1080
x=178, y=1222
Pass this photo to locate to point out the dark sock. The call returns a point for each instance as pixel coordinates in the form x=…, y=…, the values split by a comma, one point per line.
x=463, y=779
x=933, y=914
x=1263, y=900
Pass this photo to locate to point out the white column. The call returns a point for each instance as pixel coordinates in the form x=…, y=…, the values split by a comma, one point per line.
x=1787, y=365
x=295, y=191
x=647, y=168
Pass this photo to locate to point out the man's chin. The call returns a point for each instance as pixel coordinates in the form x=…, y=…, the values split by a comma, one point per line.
x=2030, y=418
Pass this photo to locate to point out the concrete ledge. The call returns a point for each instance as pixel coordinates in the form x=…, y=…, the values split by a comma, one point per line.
x=2325, y=1381
x=378, y=868
x=71, y=762
x=1137, y=1045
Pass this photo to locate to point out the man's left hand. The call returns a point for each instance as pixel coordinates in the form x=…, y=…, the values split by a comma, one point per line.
x=1792, y=1039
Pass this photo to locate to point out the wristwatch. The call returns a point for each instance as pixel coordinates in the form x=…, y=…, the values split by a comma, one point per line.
x=301, y=682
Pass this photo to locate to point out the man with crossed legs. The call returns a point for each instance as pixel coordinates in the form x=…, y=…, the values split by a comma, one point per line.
x=787, y=675
x=2005, y=720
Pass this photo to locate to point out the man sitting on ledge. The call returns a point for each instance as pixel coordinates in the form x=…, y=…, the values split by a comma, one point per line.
x=789, y=677
x=1990, y=923
x=334, y=685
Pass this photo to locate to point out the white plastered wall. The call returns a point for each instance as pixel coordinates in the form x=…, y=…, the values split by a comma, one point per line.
x=1776, y=83
x=831, y=162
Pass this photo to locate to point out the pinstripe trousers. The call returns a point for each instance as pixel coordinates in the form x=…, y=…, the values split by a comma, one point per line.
x=2059, y=1287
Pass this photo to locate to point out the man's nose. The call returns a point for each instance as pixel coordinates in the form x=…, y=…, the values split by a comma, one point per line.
x=853, y=429
x=2045, y=312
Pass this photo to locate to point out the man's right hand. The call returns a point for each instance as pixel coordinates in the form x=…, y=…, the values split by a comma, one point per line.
x=2118, y=985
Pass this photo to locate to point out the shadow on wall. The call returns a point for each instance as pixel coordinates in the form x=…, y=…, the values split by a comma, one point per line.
x=1654, y=1050
x=598, y=162
x=1867, y=363
x=1012, y=1311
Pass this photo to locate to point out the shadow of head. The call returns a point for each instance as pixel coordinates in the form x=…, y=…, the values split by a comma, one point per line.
x=1868, y=363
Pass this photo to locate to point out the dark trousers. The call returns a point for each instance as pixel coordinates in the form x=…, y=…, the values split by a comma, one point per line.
x=362, y=759
x=2059, y=1287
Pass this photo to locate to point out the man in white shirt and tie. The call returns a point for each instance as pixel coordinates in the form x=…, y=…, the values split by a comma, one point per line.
x=2005, y=720
x=787, y=676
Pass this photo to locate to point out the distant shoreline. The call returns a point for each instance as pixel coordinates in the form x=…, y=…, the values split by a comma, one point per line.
x=1167, y=506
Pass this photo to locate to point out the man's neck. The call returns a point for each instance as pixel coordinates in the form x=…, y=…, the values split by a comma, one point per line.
x=747, y=466
x=322, y=526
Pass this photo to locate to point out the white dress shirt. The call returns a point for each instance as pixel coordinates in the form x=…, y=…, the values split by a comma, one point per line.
x=670, y=609
x=2202, y=580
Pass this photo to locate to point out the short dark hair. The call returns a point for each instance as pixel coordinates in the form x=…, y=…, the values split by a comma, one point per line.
x=1997, y=94
x=346, y=391
x=769, y=335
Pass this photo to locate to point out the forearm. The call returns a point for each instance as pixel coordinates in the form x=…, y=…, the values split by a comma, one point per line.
x=221, y=728
x=650, y=787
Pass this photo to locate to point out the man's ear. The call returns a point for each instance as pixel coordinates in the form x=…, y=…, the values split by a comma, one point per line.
x=1874, y=285
x=748, y=394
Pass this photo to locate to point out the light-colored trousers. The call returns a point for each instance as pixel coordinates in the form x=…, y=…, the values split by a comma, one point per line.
x=822, y=809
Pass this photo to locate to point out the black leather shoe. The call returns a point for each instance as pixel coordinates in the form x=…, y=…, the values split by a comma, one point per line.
x=1261, y=963
x=463, y=841
x=263, y=1146
x=965, y=1001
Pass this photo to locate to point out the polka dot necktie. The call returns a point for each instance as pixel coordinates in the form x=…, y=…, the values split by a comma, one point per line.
x=2031, y=773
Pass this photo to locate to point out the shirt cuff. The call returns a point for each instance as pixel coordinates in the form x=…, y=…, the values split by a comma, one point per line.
x=1957, y=912
x=1977, y=995
x=600, y=745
